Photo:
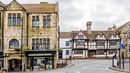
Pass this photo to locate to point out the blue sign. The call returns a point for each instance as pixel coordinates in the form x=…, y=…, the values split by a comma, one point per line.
x=120, y=45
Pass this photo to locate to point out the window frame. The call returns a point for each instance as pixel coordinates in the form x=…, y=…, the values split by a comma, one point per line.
x=14, y=19
x=67, y=52
x=35, y=21
x=14, y=44
x=47, y=21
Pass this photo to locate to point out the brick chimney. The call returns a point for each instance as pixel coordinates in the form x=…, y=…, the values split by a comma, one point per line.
x=43, y=2
x=109, y=29
x=114, y=27
x=88, y=25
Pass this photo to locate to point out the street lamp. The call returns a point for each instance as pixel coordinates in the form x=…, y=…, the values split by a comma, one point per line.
x=21, y=40
x=121, y=48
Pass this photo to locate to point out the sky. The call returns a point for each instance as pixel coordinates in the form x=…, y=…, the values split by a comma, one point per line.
x=73, y=14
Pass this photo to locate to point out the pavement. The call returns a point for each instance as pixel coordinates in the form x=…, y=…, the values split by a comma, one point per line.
x=126, y=67
x=82, y=66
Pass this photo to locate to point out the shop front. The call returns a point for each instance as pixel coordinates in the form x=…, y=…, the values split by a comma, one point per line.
x=40, y=60
x=1, y=60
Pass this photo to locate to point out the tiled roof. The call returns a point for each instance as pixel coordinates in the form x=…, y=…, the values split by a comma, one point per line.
x=91, y=36
x=39, y=7
x=1, y=4
x=65, y=35
x=119, y=29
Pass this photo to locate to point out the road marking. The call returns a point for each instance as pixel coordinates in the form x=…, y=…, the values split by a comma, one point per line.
x=78, y=72
x=84, y=67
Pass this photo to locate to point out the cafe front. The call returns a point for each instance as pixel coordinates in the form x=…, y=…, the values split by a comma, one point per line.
x=40, y=60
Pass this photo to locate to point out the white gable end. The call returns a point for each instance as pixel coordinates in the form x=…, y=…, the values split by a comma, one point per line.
x=114, y=37
x=100, y=37
x=77, y=37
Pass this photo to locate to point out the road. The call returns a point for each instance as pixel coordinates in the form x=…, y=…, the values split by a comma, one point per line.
x=84, y=66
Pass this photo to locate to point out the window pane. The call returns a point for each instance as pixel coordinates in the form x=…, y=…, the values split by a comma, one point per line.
x=78, y=51
x=67, y=52
x=14, y=44
x=14, y=19
x=67, y=43
x=44, y=21
x=35, y=21
x=18, y=18
x=9, y=19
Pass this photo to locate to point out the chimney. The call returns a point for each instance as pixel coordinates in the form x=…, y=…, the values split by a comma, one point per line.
x=43, y=2
x=88, y=25
x=114, y=27
x=109, y=29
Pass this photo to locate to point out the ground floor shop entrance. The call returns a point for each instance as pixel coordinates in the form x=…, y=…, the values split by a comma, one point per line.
x=1, y=60
x=91, y=53
x=14, y=65
x=40, y=60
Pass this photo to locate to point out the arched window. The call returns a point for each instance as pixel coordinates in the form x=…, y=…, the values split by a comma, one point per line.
x=14, y=44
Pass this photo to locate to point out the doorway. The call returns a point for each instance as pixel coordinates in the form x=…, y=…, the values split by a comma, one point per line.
x=14, y=65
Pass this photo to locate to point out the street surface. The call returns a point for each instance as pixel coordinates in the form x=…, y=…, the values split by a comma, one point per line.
x=83, y=66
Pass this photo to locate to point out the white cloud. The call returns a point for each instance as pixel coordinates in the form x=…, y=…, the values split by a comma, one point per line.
x=75, y=13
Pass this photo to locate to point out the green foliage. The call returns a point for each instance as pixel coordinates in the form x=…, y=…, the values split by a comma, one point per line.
x=0, y=31
x=25, y=49
x=59, y=49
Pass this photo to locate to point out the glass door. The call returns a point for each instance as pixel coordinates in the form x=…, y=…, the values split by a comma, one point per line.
x=49, y=62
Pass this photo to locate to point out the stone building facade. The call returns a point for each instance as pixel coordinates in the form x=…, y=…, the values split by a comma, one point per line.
x=30, y=35
x=124, y=31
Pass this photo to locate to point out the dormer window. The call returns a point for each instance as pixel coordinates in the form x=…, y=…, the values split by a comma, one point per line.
x=80, y=36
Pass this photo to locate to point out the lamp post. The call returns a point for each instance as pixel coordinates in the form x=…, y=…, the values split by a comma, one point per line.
x=122, y=47
x=21, y=40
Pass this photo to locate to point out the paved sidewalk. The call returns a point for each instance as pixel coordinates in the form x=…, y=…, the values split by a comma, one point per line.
x=126, y=67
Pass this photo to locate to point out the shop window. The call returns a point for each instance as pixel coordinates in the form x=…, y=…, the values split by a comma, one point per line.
x=78, y=51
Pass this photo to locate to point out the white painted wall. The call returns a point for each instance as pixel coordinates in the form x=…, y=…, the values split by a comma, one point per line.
x=63, y=42
x=64, y=47
x=64, y=56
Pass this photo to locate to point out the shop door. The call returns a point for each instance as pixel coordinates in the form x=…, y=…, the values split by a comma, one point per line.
x=49, y=62
x=14, y=65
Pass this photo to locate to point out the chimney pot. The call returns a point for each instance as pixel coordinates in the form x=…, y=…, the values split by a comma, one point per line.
x=43, y=2
x=89, y=23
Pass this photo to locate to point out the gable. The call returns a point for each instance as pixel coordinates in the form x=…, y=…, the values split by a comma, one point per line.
x=80, y=34
x=1, y=8
x=100, y=36
x=114, y=36
x=14, y=5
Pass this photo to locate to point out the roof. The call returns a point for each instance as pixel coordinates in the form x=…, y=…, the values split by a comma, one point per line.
x=40, y=7
x=65, y=35
x=91, y=36
x=1, y=4
x=35, y=8
x=119, y=29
